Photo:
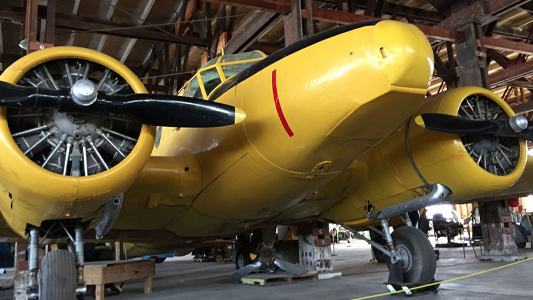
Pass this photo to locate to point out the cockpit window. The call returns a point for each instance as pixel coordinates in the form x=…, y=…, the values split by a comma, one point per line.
x=210, y=79
x=234, y=69
x=217, y=71
x=241, y=56
x=210, y=63
x=196, y=92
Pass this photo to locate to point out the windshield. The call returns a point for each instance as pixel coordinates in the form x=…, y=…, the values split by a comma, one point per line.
x=210, y=79
x=217, y=71
x=231, y=64
x=196, y=92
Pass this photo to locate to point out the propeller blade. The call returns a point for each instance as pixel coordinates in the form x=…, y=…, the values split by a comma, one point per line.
x=240, y=273
x=290, y=267
x=151, y=109
x=455, y=124
x=515, y=126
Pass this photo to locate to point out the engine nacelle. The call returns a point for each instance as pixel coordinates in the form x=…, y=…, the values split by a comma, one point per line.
x=401, y=166
x=58, y=165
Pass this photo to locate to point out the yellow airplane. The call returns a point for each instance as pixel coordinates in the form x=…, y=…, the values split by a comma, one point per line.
x=330, y=128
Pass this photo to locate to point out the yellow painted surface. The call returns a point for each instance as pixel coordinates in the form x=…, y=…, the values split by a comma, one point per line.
x=345, y=110
x=440, y=157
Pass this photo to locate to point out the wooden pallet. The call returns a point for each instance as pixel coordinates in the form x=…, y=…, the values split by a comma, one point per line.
x=270, y=279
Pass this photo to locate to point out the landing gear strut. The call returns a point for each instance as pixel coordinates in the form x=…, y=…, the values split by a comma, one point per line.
x=33, y=264
x=61, y=270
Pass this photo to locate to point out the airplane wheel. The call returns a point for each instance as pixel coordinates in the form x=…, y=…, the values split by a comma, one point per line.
x=419, y=262
x=242, y=257
x=58, y=276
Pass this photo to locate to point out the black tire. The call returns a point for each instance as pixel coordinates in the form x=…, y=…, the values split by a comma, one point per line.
x=422, y=264
x=58, y=276
x=242, y=257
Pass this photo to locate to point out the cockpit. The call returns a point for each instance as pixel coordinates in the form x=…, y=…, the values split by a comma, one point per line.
x=217, y=71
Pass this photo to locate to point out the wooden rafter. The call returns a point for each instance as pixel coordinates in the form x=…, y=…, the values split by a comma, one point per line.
x=131, y=42
x=75, y=10
x=109, y=15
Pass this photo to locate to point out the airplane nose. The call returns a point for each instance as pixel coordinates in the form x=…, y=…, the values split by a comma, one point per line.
x=404, y=54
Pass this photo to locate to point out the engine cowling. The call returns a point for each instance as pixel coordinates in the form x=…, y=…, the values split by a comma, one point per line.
x=58, y=165
x=399, y=167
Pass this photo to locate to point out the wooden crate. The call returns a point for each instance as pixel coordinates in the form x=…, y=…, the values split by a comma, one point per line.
x=102, y=272
x=269, y=279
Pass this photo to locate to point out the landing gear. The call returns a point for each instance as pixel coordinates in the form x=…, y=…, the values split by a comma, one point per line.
x=61, y=270
x=410, y=257
x=417, y=255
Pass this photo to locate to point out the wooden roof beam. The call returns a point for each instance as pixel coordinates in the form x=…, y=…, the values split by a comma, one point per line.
x=77, y=23
x=511, y=73
x=482, y=12
x=147, y=8
x=251, y=32
x=109, y=15
x=121, y=29
x=75, y=10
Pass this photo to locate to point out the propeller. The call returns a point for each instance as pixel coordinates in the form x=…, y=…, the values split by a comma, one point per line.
x=151, y=109
x=240, y=273
x=516, y=126
x=290, y=267
x=270, y=261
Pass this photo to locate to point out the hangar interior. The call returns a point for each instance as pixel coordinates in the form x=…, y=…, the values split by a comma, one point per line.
x=485, y=44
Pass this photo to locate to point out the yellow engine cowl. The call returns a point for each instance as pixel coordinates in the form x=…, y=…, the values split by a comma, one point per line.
x=30, y=193
x=390, y=169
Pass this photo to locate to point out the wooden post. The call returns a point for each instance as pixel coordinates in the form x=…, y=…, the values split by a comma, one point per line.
x=293, y=23
x=30, y=24
x=50, y=21
x=118, y=250
x=99, y=292
x=148, y=285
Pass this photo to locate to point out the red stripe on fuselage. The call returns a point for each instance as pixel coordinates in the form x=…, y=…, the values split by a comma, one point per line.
x=278, y=106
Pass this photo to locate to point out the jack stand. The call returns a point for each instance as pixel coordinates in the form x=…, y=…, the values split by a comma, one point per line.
x=407, y=288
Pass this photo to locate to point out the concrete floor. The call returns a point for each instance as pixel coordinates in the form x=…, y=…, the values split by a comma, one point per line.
x=181, y=278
